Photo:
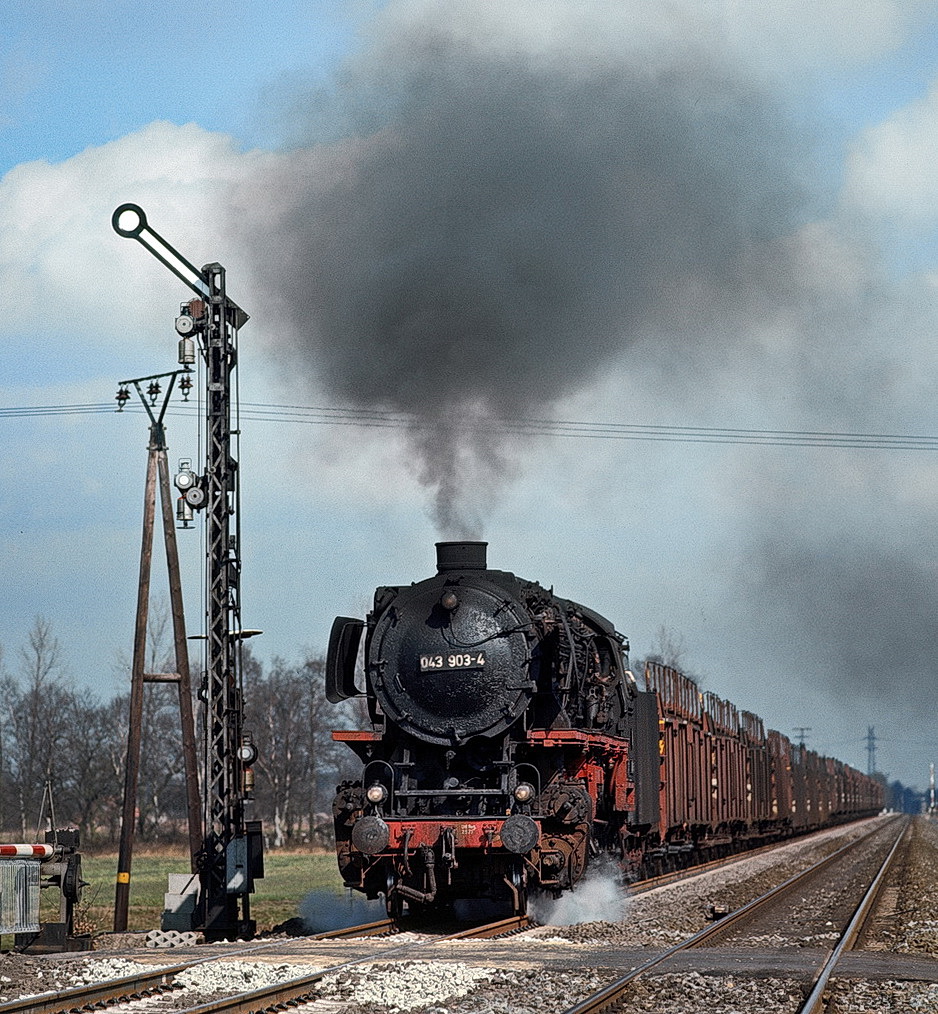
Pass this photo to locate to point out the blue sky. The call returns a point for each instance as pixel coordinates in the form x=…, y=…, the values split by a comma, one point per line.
x=728, y=549
x=82, y=74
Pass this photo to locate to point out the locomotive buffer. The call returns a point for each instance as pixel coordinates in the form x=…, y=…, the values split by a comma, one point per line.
x=231, y=856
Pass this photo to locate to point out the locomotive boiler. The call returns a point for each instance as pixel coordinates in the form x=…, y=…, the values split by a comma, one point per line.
x=509, y=746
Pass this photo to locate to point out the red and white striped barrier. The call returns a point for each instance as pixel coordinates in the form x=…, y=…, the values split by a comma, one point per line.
x=26, y=851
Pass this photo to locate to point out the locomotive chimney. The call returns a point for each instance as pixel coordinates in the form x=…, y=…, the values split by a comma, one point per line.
x=460, y=556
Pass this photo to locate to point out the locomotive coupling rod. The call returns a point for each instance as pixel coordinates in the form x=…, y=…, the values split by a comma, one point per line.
x=130, y=221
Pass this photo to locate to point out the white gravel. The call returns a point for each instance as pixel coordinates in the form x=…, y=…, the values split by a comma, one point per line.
x=239, y=976
x=406, y=986
x=90, y=972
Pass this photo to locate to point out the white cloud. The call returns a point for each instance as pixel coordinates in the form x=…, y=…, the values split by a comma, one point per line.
x=892, y=168
x=61, y=263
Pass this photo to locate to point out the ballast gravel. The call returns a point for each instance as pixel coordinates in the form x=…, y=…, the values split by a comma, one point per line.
x=650, y=920
x=887, y=997
x=692, y=993
x=89, y=972
x=22, y=976
x=907, y=920
x=229, y=977
x=209, y=979
x=666, y=915
x=450, y=988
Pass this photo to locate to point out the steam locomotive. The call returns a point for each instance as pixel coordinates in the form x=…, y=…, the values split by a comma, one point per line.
x=511, y=746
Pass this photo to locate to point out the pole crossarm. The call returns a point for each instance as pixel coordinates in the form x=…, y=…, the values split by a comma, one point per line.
x=148, y=400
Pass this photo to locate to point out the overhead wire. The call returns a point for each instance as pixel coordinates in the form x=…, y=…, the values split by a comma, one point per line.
x=317, y=415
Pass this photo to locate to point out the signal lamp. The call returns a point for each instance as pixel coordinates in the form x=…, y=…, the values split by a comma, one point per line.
x=185, y=324
x=185, y=478
x=195, y=497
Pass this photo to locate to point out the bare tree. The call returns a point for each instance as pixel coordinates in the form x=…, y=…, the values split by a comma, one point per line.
x=89, y=785
x=297, y=759
x=5, y=780
x=35, y=720
x=668, y=650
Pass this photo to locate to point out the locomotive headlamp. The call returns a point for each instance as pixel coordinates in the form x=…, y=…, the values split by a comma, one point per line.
x=524, y=792
x=449, y=601
x=376, y=793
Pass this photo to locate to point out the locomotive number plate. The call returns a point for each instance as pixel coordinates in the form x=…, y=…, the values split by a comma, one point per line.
x=453, y=660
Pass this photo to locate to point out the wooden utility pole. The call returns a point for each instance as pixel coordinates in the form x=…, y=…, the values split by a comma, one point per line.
x=157, y=473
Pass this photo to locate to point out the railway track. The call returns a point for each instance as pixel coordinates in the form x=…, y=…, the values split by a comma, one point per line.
x=146, y=984
x=614, y=996
x=686, y=872
x=388, y=959
x=390, y=927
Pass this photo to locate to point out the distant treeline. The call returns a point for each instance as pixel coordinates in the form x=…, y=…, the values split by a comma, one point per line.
x=62, y=750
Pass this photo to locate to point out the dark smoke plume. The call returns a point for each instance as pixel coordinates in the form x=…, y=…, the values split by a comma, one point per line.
x=492, y=233
x=850, y=569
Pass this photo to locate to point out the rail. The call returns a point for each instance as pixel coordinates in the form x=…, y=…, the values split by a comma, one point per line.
x=612, y=993
x=814, y=1004
x=137, y=986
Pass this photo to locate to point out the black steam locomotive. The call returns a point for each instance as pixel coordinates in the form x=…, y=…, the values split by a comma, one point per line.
x=510, y=745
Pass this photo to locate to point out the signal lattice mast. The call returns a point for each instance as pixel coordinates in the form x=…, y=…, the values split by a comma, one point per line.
x=231, y=856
